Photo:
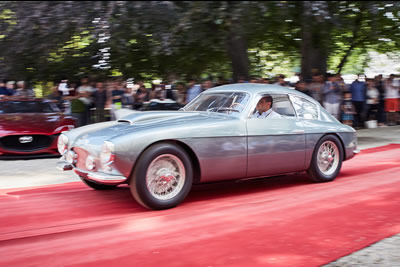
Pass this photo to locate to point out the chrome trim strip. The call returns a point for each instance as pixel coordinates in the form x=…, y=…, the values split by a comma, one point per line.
x=103, y=178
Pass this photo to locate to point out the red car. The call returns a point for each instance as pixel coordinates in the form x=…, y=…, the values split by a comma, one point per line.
x=31, y=126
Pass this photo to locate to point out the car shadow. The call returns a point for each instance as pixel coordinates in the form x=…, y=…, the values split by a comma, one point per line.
x=217, y=190
x=247, y=186
x=118, y=204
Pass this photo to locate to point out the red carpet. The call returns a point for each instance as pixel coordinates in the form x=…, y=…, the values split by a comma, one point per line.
x=281, y=221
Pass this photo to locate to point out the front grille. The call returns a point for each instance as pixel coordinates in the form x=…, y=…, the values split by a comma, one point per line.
x=22, y=143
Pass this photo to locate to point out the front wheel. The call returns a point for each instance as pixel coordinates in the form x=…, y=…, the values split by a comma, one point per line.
x=327, y=159
x=162, y=177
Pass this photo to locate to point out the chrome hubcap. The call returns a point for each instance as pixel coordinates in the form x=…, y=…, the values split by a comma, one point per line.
x=165, y=177
x=328, y=157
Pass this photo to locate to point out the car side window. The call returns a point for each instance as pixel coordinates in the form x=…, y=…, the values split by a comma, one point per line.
x=305, y=109
x=281, y=105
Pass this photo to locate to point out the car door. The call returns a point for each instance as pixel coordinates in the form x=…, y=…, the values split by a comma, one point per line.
x=275, y=145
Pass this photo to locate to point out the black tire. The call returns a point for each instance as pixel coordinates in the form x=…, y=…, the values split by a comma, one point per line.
x=138, y=184
x=97, y=186
x=315, y=173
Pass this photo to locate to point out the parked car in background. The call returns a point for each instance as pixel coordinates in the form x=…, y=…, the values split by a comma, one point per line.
x=215, y=137
x=31, y=126
x=152, y=105
x=156, y=104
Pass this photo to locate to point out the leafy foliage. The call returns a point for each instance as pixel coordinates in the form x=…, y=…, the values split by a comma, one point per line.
x=49, y=40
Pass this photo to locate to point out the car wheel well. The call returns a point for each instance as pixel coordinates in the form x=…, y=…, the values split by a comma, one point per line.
x=192, y=155
x=327, y=159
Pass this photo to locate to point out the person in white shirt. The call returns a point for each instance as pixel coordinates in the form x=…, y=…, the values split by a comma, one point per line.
x=264, y=109
x=372, y=100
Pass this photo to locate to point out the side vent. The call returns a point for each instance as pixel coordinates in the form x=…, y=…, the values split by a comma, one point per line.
x=125, y=121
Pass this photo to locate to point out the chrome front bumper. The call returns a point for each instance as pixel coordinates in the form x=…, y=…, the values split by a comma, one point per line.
x=99, y=177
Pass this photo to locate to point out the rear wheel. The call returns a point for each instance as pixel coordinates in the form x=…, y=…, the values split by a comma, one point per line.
x=97, y=186
x=162, y=177
x=327, y=159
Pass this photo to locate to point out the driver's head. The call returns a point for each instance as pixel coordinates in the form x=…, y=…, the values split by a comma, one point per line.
x=264, y=104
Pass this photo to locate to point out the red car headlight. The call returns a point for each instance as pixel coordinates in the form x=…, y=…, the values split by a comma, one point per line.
x=64, y=128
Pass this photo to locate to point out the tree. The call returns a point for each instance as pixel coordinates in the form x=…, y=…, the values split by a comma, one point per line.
x=149, y=39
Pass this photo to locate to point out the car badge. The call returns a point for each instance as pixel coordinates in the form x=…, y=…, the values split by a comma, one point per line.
x=25, y=139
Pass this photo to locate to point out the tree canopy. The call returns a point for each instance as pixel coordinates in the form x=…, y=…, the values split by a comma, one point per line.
x=49, y=40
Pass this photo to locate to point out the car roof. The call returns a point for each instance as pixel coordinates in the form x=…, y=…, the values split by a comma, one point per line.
x=255, y=89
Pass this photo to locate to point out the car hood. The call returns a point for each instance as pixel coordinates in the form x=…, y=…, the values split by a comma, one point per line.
x=91, y=137
x=29, y=123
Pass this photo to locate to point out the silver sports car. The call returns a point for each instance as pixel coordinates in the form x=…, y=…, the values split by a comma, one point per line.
x=219, y=135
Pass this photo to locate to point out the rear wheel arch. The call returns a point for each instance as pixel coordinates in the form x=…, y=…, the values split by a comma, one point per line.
x=342, y=144
x=314, y=171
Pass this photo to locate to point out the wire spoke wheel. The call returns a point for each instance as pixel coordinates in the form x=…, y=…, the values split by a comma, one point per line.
x=165, y=177
x=328, y=157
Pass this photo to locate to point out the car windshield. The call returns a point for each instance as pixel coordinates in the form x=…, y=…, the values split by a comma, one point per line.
x=27, y=107
x=225, y=102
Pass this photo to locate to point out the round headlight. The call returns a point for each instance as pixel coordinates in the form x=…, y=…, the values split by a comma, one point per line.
x=62, y=144
x=71, y=157
x=107, y=153
x=90, y=164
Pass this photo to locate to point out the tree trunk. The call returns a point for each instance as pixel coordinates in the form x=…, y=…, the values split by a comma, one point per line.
x=314, y=44
x=344, y=59
x=354, y=43
x=237, y=49
x=313, y=54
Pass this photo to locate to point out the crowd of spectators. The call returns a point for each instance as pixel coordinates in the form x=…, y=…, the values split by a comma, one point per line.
x=364, y=100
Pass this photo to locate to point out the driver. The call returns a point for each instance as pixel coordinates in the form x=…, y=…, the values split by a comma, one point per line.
x=264, y=108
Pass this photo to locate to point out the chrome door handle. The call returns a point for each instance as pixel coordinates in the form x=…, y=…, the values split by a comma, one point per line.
x=298, y=131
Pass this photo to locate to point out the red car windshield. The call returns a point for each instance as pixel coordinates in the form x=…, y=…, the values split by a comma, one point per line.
x=27, y=107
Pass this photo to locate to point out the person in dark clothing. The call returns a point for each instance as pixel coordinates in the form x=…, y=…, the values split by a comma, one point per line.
x=140, y=96
x=3, y=89
x=169, y=93
x=301, y=86
x=380, y=85
x=347, y=108
x=100, y=97
x=116, y=98
x=56, y=97
x=358, y=91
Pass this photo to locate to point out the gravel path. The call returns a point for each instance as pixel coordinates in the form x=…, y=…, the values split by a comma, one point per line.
x=384, y=253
